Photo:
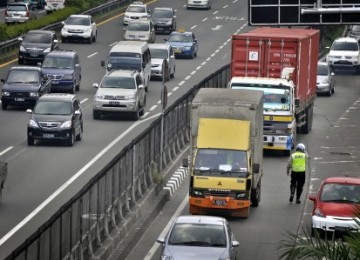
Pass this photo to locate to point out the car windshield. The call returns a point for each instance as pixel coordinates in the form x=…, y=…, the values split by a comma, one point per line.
x=23, y=76
x=136, y=9
x=342, y=193
x=53, y=108
x=135, y=26
x=323, y=70
x=117, y=82
x=345, y=46
x=275, y=99
x=159, y=53
x=16, y=8
x=58, y=62
x=203, y=235
x=162, y=14
x=125, y=63
x=180, y=38
x=72, y=20
x=218, y=162
x=37, y=38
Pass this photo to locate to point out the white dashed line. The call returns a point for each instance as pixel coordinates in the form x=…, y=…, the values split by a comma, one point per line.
x=225, y=6
x=208, y=59
x=91, y=55
x=193, y=72
x=188, y=77
x=212, y=55
x=181, y=83
x=176, y=88
x=215, y=12
x=6, y=150
x=153, y=108
x=202, y=64
x=204, y=19
x=114, y=43
x=169, y=94
x=199, y=67
x=84, y=100
x=193, y=27
x=145, y=115
x=159, y=102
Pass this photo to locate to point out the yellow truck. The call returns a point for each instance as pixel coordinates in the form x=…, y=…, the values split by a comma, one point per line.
x=227, y=151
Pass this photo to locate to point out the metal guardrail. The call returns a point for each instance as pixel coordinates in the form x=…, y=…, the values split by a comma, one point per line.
x=84, y=223
x=7, y=48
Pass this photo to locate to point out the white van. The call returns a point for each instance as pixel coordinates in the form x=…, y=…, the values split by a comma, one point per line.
x=131, y=55
x=53, y=5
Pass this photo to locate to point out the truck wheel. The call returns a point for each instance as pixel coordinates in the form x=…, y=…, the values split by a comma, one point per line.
x=255, y=196
x=309, y=115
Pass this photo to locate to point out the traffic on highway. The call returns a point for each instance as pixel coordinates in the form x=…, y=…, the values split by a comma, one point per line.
x=98, y=80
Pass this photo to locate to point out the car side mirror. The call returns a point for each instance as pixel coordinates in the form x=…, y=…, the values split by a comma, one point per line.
x=161, y=240
x=165, y=40
x=77, y=65
x=174, y=16
x=312, y=198
x=29, y=111
x=39, y=64
x=124, y=28
x=327, y=47
x=20, y=39
x=63, y=23
x=95, y=85
x=332, y=74
x=235, y=243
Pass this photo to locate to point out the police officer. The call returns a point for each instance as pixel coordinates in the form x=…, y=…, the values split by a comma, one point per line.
x=297, y=165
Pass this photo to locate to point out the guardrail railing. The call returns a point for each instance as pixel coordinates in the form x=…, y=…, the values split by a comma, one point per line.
x=85, y=222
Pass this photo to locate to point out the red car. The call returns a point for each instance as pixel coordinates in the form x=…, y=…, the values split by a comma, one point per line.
x=334, y=205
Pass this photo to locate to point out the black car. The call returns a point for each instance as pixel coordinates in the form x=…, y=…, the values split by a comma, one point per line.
x=56, y=117
x=164, y=19
x=23, y=86
x=36, y=44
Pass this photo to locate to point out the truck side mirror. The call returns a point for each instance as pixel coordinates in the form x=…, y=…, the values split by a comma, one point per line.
x=256, y=167
x=185, y=162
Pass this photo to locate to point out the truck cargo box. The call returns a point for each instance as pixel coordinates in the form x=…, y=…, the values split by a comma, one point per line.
x=265, y=52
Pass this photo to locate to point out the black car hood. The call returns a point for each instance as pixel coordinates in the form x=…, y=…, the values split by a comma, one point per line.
x=36, y=45
x=21, y=87
x=51, y=118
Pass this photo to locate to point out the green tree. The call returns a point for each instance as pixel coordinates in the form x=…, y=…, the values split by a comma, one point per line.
x=297, y=246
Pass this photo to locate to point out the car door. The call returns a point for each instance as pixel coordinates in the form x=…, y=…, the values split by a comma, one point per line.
x=171, y=60
x=152, y=32
x=93, y=27
x=77, y=117
x=77, y=68
x=195, y=42
x=141, y=91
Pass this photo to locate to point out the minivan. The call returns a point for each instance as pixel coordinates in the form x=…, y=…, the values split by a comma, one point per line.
x=130, y=55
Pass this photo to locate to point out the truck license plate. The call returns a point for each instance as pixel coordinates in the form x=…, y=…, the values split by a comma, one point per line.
x=219, y=202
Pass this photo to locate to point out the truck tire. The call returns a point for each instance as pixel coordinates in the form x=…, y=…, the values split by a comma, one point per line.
x=309, y=117
x=255, y=196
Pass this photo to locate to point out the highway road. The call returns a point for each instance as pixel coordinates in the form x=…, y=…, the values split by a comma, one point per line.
x=36, y=172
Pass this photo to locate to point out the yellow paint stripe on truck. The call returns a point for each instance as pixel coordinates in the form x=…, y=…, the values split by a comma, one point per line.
x=279, y=118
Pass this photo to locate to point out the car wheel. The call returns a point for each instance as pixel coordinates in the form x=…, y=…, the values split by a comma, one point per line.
x=172, y=75
x=72, y=137
x=20, y=61
x=79, y=136
x=4, y=105
x=90, y=40
x=73, y=90
x=30, y=141
x=96, y=114
x=95, y=37
x=329, y=92
x=137, y=113
x=333, y=90
x=192, y=56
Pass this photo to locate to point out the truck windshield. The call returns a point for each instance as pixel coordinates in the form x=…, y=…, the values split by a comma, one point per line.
x=220, y=162
x=275, y=99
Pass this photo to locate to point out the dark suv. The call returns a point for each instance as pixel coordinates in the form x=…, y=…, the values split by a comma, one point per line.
x=64, y=69
x=36, y=44
x=23, y=85
x=164, y=19
x=56, y=117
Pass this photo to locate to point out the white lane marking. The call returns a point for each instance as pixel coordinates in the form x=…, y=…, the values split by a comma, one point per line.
x=91, y=55
x=70, y=181
x=193, y=72
x=6, y=150
x=153, y=107
x=204, y=19
x=193, y=27
x=187, y=77
x=146, y=114
x=208, y=59
x=156, y=245
x=234, y=1
x=215, y=12
x=203, y=63
x=84, y=100
x=169, y=94
x=112, y=44
x=176, y=88
x=181, y=83
x=199, y=67
x=159, y=102
x=225, y=6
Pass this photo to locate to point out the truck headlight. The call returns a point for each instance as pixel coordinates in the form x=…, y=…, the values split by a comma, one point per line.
x=241, y=195
x=197, y=193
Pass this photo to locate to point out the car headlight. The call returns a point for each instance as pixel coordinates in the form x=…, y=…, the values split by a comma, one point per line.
x=33, y=94
x=47, y=50
x=66, y=124
x=33, y=124
x=86, y=29
x=22, y=48
x=130, y=97
x=98, y=97
x=319, y=213
x=325, y=81
x=188, y=48
x=6, y=93
x=69, y=76
x=127, y=17
x=168, y=22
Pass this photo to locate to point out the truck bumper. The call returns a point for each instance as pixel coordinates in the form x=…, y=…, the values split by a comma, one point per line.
x=278, y=142
x=230, y=207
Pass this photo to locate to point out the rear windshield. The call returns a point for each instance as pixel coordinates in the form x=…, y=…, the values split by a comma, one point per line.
x=58, y=62
x=159, y=53
x=142, y=27
x=16, y=8
x=124, y=63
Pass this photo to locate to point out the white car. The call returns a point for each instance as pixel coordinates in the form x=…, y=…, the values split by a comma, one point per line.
x=159, y=52
x=344, y=53
x=79, y=27
x=199, y=4
x=137, y=10
x=140, y=30
x=120, y=91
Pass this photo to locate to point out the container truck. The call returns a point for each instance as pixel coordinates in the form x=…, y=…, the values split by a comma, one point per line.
x=281, y=62
x=226, y=155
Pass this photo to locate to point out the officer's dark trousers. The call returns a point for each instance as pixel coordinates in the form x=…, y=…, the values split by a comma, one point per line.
x=296, y=183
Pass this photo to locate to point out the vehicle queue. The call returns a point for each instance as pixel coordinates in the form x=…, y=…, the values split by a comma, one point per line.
x=177, y=50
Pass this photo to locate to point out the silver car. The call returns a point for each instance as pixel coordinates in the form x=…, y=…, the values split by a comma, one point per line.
x=206, y=237
x=140, y=30
x=159, y=52
x=325, y=80
x=18, y=13
x=198, y=4
x=120, y=91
